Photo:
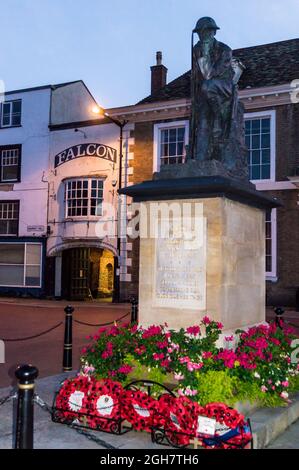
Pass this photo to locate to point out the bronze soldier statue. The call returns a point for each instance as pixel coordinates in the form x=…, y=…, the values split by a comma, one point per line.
x=215, y=107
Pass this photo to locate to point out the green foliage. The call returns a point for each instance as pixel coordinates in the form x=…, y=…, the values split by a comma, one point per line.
x=223, y=387
x=215, y=386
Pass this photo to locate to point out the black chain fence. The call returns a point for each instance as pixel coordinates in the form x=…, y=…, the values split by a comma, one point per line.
x=102, y=324
x=10, y=340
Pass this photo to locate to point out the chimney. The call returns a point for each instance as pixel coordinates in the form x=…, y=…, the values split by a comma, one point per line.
x=159, y=74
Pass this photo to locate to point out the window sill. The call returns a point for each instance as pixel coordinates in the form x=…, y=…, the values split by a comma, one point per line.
x=10, y=127
x=89, y=218
x=270, y=278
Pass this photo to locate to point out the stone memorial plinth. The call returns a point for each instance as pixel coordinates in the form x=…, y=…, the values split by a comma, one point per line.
x=221, y=271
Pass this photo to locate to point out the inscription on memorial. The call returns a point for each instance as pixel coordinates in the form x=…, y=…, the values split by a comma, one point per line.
x=180, y=271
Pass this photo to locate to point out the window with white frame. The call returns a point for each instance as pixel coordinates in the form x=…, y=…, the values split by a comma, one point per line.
x=20, y=264
x=271, y=243
x=10, y=161
x=260, y=143
x=84, y=197
x=170, y=140
x=9, y=218
x=11, y=113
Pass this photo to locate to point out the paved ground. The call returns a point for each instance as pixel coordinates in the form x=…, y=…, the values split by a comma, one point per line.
x=288, y=440
x=23, y=318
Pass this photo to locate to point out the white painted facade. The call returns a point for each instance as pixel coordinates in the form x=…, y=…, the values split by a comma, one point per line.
x=53, y=119
x=33, y=135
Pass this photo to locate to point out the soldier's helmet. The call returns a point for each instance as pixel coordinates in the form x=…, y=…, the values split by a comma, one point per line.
x=205, y=23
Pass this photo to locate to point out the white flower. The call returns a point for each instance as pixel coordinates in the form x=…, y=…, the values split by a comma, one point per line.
x=277, y=383
x=257, y=375
x=284, y=395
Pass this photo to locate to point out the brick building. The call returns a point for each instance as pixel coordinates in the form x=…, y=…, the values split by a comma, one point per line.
x=267, y=89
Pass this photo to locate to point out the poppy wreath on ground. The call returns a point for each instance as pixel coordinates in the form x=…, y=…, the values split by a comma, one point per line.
x=231, y=428
x=178, y=417
x=72, y=400
x=139, y=409
x=104, y=404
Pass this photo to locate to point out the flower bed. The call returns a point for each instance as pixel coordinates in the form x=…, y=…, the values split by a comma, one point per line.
x=258, y=370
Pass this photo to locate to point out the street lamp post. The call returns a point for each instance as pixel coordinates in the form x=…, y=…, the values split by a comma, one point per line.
x=121, y=125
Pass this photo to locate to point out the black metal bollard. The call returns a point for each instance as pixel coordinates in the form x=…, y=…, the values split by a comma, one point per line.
x=26, y=376
x=279, y=313
x=134, y=310
x=68, y=339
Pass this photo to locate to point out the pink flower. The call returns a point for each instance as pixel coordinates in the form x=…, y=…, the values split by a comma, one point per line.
x=165, y=363
x=114, y=331
x=158, y=357
x=169, y=350
x=151, y=331
x=184, y=360
x=284, y=395
x=264, y=389
x=162, y=345
x=125, y=369
x=229, y=338
x=193, y=330
x=102, y=330
x=84, y=351
x=179, y=376
x=207, y=354
x=134, y=328
x=206, y=320
x=285, y=384
x=219, y=326
x=141, y=350
x=275, y=341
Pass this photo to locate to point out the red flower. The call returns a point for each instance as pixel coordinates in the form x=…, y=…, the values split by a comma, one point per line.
x=151, y=331
x=206, y=320
x=125, y=369
x=158, y=357
x=207, y=354
x=141, y=350
x=165, y=363
x=162, y=345
x=193, y=330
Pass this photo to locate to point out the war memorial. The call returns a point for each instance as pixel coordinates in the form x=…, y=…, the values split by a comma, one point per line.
x=218, y=268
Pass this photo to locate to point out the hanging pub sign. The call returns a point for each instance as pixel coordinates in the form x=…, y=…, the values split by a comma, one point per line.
x=86, y=150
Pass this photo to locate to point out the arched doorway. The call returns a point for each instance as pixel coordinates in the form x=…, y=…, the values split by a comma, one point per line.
x=87, y=273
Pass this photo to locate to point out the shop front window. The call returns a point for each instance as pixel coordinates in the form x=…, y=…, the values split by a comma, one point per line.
x=20, y=264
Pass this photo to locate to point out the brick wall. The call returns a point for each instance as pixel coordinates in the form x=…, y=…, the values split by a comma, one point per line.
x=282, y=292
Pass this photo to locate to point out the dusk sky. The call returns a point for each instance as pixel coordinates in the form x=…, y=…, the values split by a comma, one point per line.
x=111, y=44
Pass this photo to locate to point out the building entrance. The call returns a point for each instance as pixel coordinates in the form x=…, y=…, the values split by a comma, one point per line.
x=87, y=273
